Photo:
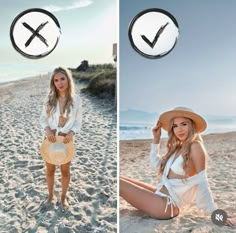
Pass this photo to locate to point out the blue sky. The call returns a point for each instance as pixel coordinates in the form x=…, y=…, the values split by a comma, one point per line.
x=89, y=28
x=199, y=73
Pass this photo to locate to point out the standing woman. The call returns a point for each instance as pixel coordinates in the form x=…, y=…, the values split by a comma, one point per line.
x=61, y=115
x=183, y=169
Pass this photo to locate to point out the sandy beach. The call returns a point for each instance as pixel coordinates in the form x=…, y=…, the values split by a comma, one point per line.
x=93, y=187
x=134, y=163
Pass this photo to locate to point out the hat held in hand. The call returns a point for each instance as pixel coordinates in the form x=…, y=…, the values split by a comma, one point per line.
x=57, y=153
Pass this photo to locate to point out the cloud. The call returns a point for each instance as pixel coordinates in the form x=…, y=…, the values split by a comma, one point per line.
x=79, y=4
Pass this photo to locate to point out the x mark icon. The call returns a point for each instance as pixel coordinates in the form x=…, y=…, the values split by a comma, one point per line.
x=35, y=33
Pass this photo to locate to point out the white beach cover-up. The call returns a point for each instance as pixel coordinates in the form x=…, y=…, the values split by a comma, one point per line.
x=73, y=123
x=183, y=191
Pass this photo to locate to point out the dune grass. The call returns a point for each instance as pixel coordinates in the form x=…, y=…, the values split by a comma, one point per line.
x=101, y=80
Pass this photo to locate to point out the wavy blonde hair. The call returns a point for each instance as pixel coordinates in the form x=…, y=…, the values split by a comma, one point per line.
x=173, y=144
x=53, y=94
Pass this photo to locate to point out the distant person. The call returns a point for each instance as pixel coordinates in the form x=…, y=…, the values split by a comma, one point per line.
x=182, y=169
x=60, y=119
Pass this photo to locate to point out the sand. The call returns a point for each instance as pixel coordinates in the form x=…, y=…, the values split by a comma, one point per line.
x=134, y=163
x=93, y=188
x=92, y=191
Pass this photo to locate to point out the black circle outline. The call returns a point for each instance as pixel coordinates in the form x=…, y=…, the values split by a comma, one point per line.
x=137, y=17
x=13, y=25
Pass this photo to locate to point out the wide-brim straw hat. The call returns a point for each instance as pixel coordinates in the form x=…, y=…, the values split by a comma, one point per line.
x=166, y=117
x=57, y=153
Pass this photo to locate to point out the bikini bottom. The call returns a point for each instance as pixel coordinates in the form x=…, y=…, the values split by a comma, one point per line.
x=170, y=202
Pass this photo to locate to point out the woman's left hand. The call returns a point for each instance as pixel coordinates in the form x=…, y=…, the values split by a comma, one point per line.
x=68, y=137
x=230, y=222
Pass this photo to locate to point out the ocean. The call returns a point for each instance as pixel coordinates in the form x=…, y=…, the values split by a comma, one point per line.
x=16, y=71
x=138, y=125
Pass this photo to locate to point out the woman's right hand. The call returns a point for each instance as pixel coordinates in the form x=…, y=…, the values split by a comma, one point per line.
x=50, y=134
x=156, y=131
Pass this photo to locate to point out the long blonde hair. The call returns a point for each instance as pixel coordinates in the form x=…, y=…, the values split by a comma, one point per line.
x=53, y=94
x=173, y=144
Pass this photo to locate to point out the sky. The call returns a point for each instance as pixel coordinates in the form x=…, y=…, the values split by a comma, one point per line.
x=200, y=72
x=88, y=30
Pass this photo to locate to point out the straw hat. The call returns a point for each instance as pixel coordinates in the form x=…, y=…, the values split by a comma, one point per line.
x=166, y=117
x=57, y=153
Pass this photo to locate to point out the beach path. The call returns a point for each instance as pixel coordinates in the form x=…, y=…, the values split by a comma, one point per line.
x=92, y=191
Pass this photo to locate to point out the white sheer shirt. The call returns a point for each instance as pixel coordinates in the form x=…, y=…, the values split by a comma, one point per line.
x=184, y=191
x=74, y=119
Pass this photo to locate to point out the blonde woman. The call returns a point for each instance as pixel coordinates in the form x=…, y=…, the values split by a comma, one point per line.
x=61, y=115
x=182, y=169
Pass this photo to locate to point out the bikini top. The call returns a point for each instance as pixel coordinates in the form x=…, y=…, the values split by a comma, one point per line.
x=177, y=165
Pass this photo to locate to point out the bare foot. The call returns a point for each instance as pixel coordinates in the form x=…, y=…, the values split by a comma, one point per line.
x=47, y=203
x=50, y=199
x=64, y=204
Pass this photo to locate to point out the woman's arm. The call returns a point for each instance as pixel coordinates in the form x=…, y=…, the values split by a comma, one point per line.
x=155, y=160
x=78, y=116
x=43, y=118
x=198, y=155
x=154, y=156
x=77, y=120
x=204, y=198
x=44, y=124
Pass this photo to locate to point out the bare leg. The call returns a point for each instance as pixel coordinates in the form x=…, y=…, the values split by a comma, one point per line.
x=146, y=200
x=140, y=183
x=50, y=180
x=65, y=179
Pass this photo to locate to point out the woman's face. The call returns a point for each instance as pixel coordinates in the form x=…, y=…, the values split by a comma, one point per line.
x=61, y=82
x=181, y=127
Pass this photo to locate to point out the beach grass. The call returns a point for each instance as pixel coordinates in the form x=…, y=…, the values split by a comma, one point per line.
x=100, y=79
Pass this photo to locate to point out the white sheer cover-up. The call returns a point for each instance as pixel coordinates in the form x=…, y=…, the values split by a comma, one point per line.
x=183, y=191
x=74, y=122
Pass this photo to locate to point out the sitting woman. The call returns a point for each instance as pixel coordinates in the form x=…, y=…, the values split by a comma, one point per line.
x=182, y=169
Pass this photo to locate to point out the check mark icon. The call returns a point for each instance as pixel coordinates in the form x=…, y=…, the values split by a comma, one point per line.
x=159, y=32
